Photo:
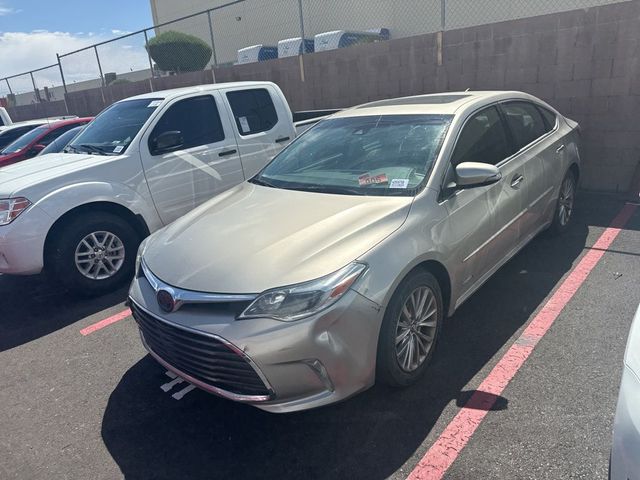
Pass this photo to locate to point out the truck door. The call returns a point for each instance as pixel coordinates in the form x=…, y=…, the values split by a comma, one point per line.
x=189, y=155
x=262, y=122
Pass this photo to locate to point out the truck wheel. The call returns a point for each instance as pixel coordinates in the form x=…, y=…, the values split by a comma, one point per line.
x=94, y=253
x=410, y=329
x=564, y=208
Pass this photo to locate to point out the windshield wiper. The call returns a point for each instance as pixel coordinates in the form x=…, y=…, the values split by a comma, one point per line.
x=329, y=189
x=70, y=149
x=262, y=183
x=95, y=149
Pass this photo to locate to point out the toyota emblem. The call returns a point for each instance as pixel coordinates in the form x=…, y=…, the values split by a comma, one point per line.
x=166, y=301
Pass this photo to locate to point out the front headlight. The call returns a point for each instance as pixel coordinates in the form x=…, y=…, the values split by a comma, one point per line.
x=10, y=208
x=141, y=248
x=304, y=299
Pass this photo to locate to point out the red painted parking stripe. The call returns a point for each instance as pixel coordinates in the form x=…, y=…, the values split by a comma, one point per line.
x=107, y=321
x=456, y=435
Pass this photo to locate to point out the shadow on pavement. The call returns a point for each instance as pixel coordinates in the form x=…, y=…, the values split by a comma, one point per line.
x=370, y=436
x=32, y=307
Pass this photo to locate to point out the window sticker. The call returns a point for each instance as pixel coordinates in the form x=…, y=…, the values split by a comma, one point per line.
x=244, y=124
x=155, y=103
x=399, y=183
x=118, y=149
x=366, y=179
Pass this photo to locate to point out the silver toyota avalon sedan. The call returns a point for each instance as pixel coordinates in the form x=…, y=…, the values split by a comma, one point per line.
x=335, y=266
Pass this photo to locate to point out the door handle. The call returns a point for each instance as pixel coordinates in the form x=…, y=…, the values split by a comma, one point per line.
x=516, y=181
x=227, y=152
x=560, y=148
x=283, y=139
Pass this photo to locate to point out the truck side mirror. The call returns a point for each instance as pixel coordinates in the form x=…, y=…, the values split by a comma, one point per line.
x=166, y=142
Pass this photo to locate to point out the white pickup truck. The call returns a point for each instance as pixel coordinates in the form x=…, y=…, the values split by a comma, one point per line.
x=141, y=164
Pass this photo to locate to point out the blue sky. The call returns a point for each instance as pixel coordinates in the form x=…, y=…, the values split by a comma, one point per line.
x=74, y=15
x=33, y=31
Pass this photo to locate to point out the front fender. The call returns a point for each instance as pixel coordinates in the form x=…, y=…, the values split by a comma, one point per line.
x=65, y=199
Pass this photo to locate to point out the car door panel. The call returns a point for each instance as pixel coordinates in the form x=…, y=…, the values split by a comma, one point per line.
x=485, y=220
x=533, y=141
x=182, y=179
x=261, y=123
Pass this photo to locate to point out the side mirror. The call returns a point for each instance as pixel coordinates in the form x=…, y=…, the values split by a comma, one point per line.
x=475, y=174
x=166, y=142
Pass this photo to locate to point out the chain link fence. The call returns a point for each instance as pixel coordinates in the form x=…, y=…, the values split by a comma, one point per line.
x=245, y=31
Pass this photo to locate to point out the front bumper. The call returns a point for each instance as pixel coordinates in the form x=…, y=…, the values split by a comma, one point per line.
x=304, y=364
x=22, y=242
x=625, y=453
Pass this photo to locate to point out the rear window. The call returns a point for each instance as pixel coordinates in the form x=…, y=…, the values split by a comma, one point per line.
x=253, y=110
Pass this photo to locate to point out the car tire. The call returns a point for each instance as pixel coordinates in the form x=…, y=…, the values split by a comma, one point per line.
x=404, y=328
x=93, y=253
x=563, y=212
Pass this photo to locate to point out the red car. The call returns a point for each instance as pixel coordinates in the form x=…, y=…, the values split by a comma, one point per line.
x=33, y=142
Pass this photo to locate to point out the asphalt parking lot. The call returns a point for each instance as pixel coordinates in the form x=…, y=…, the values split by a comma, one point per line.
x=92, y=406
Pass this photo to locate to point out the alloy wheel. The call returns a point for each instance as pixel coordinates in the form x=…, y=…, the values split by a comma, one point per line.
x=416, y=328
x=99, y=255
x=567, y=195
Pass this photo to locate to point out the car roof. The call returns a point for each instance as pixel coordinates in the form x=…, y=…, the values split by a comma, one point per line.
x=177, y=92
x=449, y=103
x=72, y=121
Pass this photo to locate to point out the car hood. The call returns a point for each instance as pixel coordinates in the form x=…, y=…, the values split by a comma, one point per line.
x=254, y=238
x=15, y=178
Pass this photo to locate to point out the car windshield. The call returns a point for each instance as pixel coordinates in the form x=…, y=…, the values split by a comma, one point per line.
x=59, y=143
x=368, y=155
x=24, y=140
x=111, y=132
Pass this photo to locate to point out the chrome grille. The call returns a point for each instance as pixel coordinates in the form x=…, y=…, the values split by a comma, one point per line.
x=203, y=357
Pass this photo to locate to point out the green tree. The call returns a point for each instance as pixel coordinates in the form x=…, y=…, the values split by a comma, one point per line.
x=179, y=52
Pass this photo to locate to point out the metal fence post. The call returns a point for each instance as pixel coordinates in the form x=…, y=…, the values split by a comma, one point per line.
x=146, y=47
x=64, y=84
x=35, y=89
x=213, y=47
x=301, y=25
x=303, y=45
x=443, y=14
x=99, y=66
x=213, y=43
x=9, y=86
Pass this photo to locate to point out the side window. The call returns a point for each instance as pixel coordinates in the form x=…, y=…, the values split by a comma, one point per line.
x=196, y=118
x=253, y=110
x=483, y=139
x=550, y=118
x=525, y=122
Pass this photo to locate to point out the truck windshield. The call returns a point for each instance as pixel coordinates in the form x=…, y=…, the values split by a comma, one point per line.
x=368, y=155
x=111, y=132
